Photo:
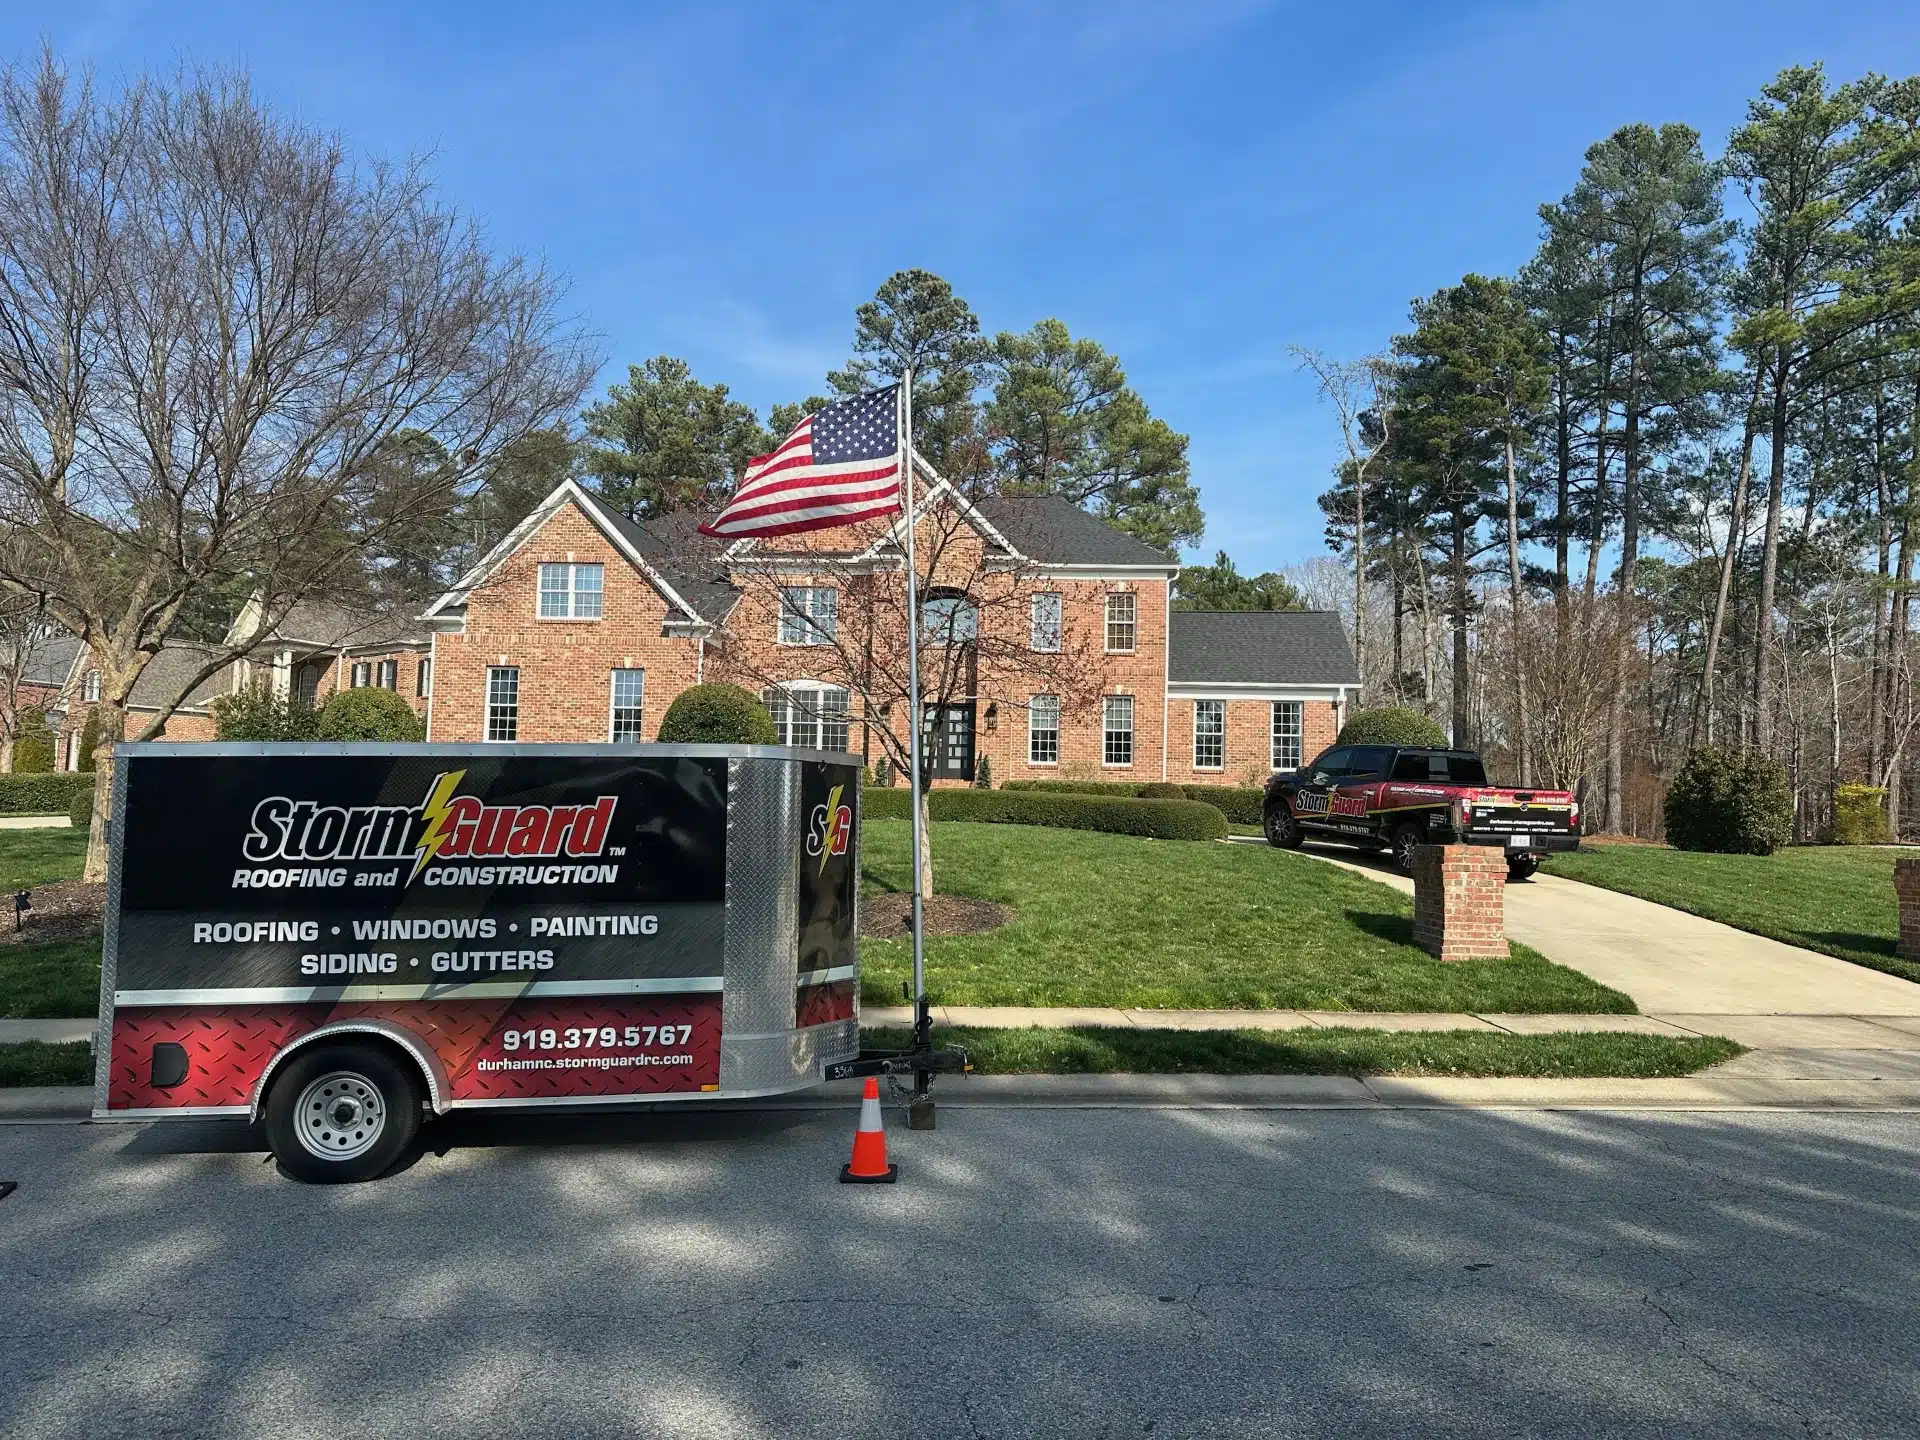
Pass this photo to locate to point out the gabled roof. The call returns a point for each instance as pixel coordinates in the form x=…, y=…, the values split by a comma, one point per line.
x=648, y=553
x=50, y=660
x=169, y=670
x=1259, y=647
x=337, y=627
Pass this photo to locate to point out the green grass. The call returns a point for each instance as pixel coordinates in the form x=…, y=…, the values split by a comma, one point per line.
x=1837, y=899
x=1113, y=920
x=33, y=1062
x=1093, y=1051
x=39, y=857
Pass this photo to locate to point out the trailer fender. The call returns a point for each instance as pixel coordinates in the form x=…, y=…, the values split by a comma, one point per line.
x=438, y=1095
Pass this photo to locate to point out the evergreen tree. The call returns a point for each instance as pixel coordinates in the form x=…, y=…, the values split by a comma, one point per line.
x=1220, y=586
x=664, y=442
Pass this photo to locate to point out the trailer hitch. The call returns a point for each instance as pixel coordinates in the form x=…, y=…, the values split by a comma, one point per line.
x=921, y=1062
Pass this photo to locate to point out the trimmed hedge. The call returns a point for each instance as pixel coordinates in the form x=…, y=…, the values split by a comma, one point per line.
x=1729, y=802
x=1860, y=815
x=50, y=794
x=717, y=714
x=1113, y=814
x=1241, y=804
x=1391, y=725
x=80, y=812
x=369, y=713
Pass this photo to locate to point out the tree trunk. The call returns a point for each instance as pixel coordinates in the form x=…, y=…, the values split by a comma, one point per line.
x=1360, y=576
x=1770, y=557
x=1523, y=758
x=6, y=756
x=1462, y=735
x=113, y=724
x=926, y=840
x=1876, y=650
x=1736, y=530
x=1563, y=498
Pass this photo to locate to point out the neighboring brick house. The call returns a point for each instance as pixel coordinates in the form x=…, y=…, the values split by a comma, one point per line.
x=317, y=649
x=583, y=626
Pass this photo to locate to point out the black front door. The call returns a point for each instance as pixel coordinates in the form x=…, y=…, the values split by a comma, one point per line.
x=948, y=742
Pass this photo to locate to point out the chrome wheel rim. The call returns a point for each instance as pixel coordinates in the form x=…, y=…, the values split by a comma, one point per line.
x=340, y=1116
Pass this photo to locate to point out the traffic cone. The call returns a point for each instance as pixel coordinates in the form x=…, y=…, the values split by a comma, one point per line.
x=869, y=1165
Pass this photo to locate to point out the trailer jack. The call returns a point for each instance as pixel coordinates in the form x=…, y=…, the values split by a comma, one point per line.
x=920, y=1060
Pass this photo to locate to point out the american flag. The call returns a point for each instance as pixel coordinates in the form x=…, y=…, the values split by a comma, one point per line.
x=840, y=464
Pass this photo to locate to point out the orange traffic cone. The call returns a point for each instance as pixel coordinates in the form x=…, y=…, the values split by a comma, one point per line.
x=869, y=1165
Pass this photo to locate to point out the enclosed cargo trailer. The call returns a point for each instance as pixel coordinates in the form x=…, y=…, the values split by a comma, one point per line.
x=336, y=938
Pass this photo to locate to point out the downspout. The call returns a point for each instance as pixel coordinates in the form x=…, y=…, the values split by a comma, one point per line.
x=1166, y=673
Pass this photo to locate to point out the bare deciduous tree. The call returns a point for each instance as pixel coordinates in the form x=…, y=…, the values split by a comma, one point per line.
x=211, y=323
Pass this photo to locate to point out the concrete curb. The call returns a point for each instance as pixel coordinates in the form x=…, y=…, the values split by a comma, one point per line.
x=1711, y=1091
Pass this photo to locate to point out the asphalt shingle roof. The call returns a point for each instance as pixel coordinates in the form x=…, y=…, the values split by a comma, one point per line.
x=1260, y=647
x=321, y=622
x=169, y=670
x=1057, y=532
x=50, y=660
x=686, y=559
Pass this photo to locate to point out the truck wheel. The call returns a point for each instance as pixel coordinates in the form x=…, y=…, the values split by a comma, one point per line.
x=340, y=1113
x=1406, y=839
x=1521, y=867
x=1283, y=831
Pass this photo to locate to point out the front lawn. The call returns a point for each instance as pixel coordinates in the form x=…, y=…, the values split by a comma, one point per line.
x=39, y=857
x=51, y=979
x=1099, y=1051
x=1837, y=899
x=1180, y=924
x=33, y=1062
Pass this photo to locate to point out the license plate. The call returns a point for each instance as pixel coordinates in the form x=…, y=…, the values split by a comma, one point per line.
x=1519, y=842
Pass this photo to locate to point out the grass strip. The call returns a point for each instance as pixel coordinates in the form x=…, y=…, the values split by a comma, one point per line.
x=52, y=980
x=34, y=1062
x=1094, y=1050
x=39, y=857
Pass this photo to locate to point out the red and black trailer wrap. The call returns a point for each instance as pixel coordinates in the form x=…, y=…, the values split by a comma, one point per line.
x=520, y=925
x=1397, y=798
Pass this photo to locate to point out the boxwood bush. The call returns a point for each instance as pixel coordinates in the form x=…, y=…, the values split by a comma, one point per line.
x=368, y=713
x=1065, y=810
x=1860, y=815
x=80, y=811
x=1729, y=802
x=1241, y=804
x=717, y=714
x=49, y=794
x=1391, y=725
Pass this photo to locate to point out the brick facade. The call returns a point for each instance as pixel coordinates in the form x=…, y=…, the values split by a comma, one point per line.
x=1906, y=889
x=1249, y=740
x=1459, y=901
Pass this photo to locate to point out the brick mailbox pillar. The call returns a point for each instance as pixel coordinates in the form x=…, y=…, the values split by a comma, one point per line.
x=1906, y=887
x=1460, y=901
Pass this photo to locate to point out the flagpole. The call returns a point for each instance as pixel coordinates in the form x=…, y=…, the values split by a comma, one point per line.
x=922, y=1028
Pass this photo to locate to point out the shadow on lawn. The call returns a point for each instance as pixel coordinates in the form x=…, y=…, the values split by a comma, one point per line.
x=1881, y=945
x=1395, y=928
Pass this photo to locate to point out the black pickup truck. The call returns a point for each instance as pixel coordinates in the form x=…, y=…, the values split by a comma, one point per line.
x=1395, y=798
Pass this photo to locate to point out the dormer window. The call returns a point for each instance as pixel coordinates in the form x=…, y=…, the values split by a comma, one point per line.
x=571, y=592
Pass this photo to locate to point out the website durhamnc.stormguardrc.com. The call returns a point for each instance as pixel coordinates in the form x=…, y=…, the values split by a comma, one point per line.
x=582, y=1062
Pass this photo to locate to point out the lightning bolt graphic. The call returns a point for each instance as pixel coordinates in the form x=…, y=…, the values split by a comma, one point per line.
x=826, y=838
x=439, y=823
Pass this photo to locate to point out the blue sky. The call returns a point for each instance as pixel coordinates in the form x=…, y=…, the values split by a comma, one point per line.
x=1195, y=184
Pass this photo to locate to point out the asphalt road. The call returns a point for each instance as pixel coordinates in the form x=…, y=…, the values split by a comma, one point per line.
x=1121, y=1272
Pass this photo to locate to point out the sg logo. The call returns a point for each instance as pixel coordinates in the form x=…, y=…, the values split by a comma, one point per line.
x=829, y=828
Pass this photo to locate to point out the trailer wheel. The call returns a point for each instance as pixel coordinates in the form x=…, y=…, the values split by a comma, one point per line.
x=340, y=1113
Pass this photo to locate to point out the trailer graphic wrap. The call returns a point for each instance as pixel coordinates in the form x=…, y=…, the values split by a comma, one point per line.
x=829, y=889
x=549, y=926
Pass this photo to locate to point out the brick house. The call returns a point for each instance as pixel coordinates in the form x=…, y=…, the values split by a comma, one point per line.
x=317, y=649
x=1060, y=650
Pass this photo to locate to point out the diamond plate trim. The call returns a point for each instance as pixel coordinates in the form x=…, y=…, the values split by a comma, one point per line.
x=110, y=940
x=763, y=917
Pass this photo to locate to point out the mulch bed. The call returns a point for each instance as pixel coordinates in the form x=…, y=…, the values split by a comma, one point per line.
x=884, y=917
x=65, y=910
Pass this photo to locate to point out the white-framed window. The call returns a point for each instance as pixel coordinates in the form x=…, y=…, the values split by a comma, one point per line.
x=1045, y=633
x=950, y=620
x=809, y=715
x=423, y=678
x=1209, y=734
x=1043, y=730
x=1116, y=730
x=1286, y=734
x=809, y=614
x=90, y=687
x=503, y=702
x=387, y=675
x=362, y=675
x=1122, y=617
x=628, y=693
x=571, y=592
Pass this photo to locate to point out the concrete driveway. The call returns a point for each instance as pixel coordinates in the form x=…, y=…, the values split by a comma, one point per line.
x=1670, y=962
x=1083, y=1273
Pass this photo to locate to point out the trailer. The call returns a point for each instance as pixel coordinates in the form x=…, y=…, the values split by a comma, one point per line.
x=341, y=939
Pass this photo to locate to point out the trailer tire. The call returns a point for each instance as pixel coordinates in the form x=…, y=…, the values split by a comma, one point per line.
x=342, y=1112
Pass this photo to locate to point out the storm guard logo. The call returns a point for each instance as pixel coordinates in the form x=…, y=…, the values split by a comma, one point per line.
x=829, y=828
x=1309, y=802
x=444, y=825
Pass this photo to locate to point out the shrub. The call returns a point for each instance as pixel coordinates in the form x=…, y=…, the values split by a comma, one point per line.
x=90, y=735
x=1065, y=810
x=884, y=805
x=717, y=714
x=983, y=774
x=1241, y=804
x=1391, y=725
x=33, y=749
x=257, y=713
x=883, y=773
x=1130, y=789
x=48, y=794
x=80, y=811
x=1860, y=815
x=368, y=713
x=1160, y=790
x=1729, y=802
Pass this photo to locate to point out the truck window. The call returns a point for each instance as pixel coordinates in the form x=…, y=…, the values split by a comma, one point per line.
x=1466, y=770
x=1368, y=762
x=1419, y=766
x=1331, y=763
